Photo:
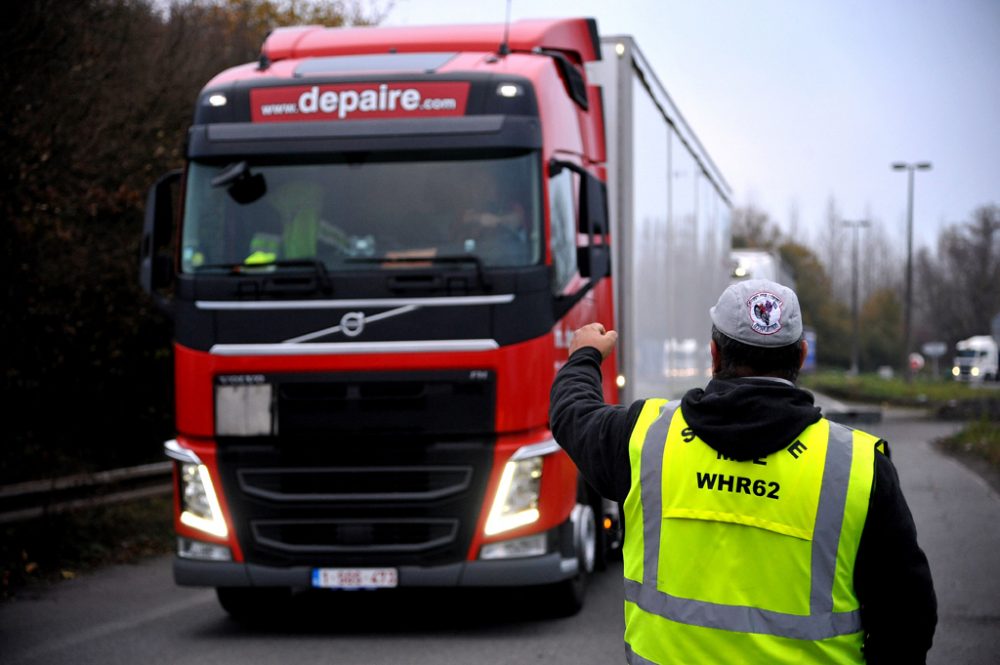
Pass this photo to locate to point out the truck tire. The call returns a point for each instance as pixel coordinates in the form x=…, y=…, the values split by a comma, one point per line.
x=605, y=549
x=567, y=597
x=253, y=604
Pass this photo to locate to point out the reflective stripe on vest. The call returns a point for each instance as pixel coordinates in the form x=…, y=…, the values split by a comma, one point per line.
x=632, y=658
x=822, y=621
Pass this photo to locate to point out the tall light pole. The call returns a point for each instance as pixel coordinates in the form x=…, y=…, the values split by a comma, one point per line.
x=909, y=167
x=855, y=338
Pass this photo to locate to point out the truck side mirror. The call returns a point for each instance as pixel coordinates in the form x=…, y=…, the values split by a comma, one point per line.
x=156, y=263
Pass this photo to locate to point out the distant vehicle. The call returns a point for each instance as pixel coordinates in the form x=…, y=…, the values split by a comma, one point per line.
x=759, y=264
x=976, y=359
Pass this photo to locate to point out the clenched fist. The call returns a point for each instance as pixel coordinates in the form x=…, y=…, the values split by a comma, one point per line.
x=594, y=334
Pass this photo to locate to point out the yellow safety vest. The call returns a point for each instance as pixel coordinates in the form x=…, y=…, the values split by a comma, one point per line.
x=743, y=562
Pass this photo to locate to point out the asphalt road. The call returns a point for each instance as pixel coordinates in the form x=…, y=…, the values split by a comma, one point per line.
x=957, y=515
x=135, y=614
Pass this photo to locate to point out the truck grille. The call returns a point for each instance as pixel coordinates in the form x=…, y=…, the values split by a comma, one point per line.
x=376, y=484
x=373, y=469
x=355, y=536
x=440, y=402
x=364, y=502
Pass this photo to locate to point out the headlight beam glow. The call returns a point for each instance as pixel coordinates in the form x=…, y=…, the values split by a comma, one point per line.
x=516, y=501
x=202, y=491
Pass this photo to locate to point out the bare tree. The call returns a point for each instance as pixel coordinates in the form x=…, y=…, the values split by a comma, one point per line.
x=881, y=261
x=97, y=99
x=832, y=239
x=752, y=228
x=793, y=220
x=958, y=294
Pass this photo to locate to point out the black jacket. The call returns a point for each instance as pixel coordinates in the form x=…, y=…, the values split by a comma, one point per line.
x=745, y=419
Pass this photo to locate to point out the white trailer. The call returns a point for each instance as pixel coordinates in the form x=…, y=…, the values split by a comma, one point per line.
x=670, y=218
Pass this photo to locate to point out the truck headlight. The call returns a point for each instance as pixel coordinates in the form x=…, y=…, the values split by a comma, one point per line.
x=200, y=507
x=955, y=371
x=974, y=371
x=516, y=500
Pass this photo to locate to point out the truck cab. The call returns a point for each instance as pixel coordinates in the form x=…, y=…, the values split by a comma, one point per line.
x=975, y=359
x=373, y=258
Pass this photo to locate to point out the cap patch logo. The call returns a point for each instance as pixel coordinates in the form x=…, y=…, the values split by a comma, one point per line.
x=765, y=313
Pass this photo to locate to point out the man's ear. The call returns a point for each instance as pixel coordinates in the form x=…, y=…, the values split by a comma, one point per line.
x=805, y=352
x=716, y=363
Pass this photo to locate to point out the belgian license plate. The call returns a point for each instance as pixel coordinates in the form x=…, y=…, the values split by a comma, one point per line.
x=355, y=578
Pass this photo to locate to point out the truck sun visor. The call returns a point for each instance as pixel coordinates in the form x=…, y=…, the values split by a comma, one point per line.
x=457, y=133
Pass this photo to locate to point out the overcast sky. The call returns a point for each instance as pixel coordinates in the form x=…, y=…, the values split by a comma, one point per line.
x=798, y=101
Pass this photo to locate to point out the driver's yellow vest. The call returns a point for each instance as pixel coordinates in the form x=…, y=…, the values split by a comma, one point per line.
x=743, y=562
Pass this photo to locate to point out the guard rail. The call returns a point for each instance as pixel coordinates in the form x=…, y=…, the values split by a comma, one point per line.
x=30, y=500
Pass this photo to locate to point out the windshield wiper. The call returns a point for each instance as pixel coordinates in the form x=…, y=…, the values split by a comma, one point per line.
x=447, y=259
x=268, y=267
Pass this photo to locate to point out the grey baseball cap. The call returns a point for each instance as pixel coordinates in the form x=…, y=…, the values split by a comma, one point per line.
x=759, y=312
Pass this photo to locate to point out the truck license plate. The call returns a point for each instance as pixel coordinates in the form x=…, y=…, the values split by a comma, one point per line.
x=355, y=578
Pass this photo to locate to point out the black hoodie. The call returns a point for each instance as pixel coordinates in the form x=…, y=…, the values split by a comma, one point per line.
x=745, y=419
x=748, y=418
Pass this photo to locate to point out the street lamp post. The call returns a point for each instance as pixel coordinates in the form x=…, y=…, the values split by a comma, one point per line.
x=909, y=167
x=855, y=338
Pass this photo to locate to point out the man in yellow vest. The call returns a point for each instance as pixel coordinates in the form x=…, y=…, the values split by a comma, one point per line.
x=756, y=531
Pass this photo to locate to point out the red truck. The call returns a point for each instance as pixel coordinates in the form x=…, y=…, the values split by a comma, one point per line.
x=374, y=259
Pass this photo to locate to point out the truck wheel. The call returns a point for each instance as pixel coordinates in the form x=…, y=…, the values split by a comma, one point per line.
x=252, y=604
x=608, y=540
x=567, y=597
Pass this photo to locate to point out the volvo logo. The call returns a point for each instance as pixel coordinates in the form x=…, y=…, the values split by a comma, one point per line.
x=352, y=324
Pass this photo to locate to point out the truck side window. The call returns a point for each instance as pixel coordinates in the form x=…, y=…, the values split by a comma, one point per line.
x=562, y=212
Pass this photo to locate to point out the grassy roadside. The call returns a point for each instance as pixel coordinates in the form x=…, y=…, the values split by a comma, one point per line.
x=872, y=389
x=977, y=443
x=980, y=439
x=978, y=446
x=60, y=547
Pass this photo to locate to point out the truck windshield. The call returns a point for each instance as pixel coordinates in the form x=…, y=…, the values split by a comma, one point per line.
x=349, y=214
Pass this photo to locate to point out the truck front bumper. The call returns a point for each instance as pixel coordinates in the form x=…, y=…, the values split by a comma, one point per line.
x=528, y=571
